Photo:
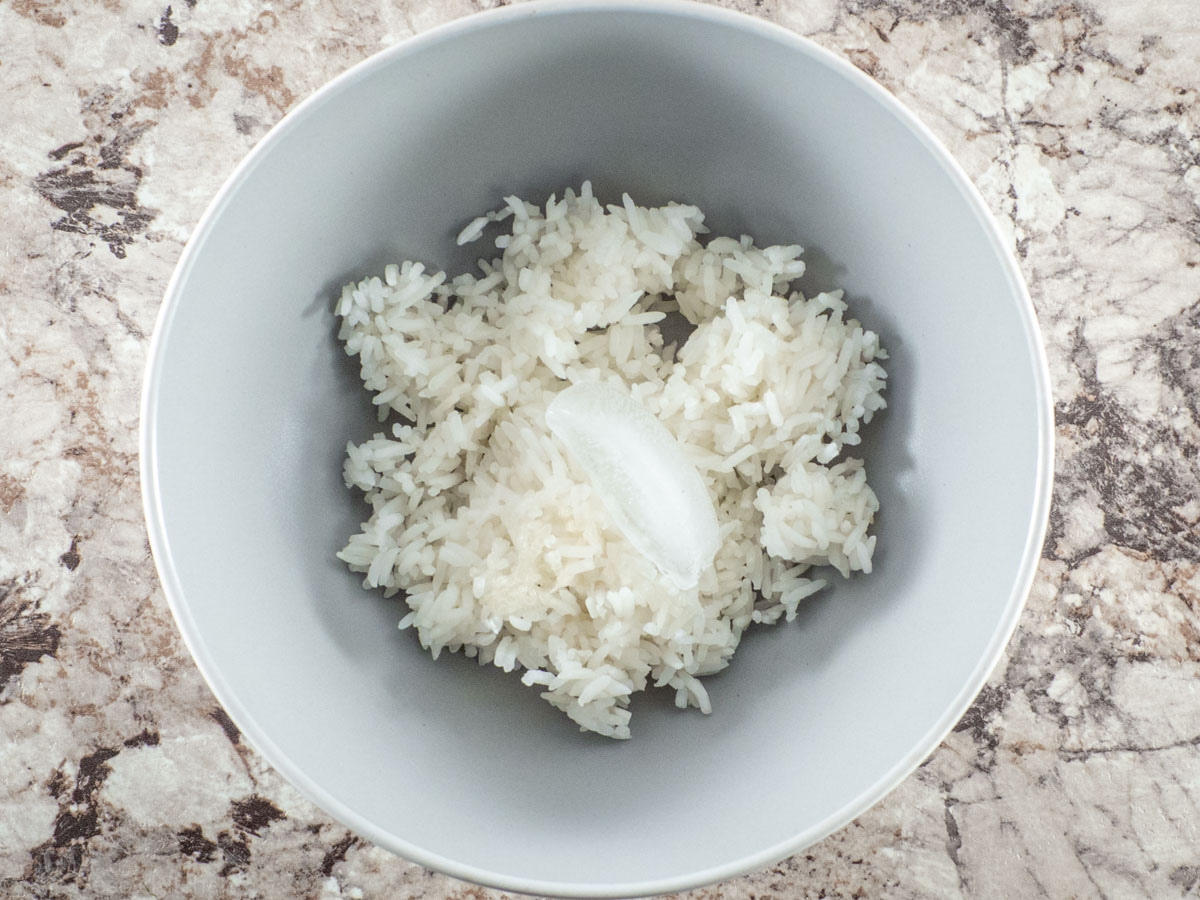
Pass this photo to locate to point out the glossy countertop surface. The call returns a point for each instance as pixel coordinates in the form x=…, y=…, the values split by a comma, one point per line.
x=1076, y=773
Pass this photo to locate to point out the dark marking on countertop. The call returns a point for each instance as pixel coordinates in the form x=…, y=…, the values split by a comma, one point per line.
x=979, y=718
x=235, y=852
x=62, y=151
x=59, y=859
x=193, y=843
x=97, y=187
x=1007, y=28
x=1121, y=456
x=26, y=635
x=255, y=813
x=168, y=31
x=336, y=854
x=244, y=124
x=146, y=738
x=221, y=717
x=71, y=558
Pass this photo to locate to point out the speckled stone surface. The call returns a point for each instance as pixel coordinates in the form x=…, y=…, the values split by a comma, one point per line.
x=1077, y=771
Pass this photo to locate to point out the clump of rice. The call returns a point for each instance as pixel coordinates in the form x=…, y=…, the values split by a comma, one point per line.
x=501, y=545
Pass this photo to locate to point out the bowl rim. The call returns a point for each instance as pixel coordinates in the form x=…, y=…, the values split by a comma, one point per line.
x=263, y=744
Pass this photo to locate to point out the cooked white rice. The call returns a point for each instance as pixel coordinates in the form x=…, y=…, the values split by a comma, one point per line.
x=500, y=543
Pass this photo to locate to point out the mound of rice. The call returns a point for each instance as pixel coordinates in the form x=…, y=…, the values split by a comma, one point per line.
x=493, y=532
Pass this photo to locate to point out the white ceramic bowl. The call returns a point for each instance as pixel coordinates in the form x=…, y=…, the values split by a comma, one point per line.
x=249, y=403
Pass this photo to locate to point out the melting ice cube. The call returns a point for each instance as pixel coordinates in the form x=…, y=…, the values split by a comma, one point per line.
x=651, y=489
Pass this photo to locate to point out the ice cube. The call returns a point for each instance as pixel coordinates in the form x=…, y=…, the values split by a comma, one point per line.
x=651, y=489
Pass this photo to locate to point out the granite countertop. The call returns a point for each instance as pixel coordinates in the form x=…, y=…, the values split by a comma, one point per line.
x=1076, y=773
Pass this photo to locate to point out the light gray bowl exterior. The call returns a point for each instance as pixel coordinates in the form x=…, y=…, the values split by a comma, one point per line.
x=249, y=403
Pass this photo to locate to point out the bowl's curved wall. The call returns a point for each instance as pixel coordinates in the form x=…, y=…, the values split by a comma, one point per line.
x=249, y=404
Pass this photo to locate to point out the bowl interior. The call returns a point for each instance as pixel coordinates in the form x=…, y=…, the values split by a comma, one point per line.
x=250, y=403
